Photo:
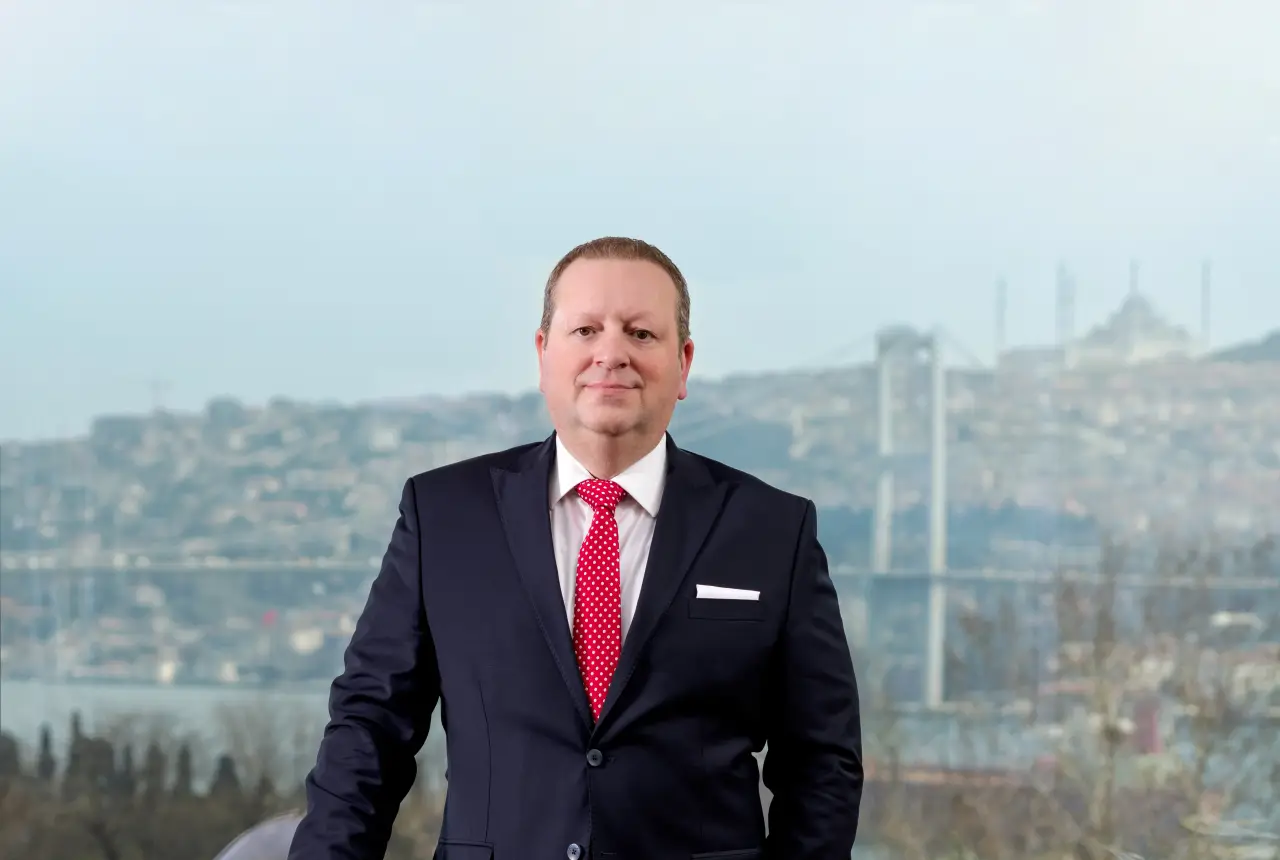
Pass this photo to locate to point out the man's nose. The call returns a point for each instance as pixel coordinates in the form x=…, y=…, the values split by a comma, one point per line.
x=611, y=351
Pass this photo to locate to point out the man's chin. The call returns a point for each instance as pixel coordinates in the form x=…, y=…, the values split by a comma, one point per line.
x=609, y=422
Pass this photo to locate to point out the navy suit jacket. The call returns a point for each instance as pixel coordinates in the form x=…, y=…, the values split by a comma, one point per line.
x=467, y=613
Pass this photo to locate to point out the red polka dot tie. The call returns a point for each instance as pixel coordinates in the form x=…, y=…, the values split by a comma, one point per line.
x=597, y=604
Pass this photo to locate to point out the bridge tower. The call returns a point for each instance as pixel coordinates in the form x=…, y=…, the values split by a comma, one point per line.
x=896, y=348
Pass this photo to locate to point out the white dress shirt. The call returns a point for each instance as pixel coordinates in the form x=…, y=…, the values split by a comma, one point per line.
x=636, y=516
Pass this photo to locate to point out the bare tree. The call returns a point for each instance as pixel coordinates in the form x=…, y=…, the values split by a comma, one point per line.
x=273, y=748
x=1158, y=738
x=1139, y=720
x=148, y=809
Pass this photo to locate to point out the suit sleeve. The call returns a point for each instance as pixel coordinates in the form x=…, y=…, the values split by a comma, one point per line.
x=813, y=765
x=379, y=712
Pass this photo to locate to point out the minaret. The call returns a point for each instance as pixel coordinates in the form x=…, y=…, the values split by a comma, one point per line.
x=1066, y=311
x=1002, y=301
x=1206, y=277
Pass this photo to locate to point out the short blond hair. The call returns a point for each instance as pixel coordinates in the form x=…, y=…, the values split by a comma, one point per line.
x=620, y=248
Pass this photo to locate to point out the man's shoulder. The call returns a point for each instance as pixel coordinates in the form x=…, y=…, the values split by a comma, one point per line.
x=751, y=485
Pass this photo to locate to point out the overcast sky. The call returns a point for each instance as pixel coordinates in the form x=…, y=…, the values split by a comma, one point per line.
x=361, y=200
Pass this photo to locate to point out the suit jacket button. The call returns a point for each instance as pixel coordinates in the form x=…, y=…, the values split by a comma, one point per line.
x=574, y=852
x=594, y=758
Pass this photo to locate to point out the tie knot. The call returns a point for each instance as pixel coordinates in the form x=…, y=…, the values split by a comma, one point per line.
x=601, y=495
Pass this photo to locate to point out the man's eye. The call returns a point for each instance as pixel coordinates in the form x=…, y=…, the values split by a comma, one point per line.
x=644, y=335
x=586, y=329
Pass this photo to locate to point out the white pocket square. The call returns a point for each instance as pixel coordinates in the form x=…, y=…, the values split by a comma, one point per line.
x=719, y=592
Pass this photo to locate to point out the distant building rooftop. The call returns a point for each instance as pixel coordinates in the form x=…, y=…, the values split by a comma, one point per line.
x=1134, y=333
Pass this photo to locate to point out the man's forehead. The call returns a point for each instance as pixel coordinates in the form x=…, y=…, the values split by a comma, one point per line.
x=615, y=266
x=633, y=290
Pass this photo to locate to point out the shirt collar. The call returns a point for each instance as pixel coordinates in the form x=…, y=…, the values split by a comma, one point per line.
x=643, y=480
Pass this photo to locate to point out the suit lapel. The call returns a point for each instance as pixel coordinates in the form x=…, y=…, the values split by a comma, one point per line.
x=691, y=502
x=523, y=505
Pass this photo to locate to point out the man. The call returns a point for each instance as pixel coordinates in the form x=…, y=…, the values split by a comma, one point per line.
x=612, y=627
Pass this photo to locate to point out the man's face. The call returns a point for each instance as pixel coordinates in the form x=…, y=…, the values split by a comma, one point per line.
x=611, y=362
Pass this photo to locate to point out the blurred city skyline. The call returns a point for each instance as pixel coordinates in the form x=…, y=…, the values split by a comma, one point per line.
x=263, y=200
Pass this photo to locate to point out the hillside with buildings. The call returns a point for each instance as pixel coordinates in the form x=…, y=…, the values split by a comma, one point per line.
x=236, y=545
x=1134, y=445
x=1266, y=349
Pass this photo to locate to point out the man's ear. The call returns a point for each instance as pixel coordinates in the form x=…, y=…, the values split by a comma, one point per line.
x=686, y=364
x=540, y=346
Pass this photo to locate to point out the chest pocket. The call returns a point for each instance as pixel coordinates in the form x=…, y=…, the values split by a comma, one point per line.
x=719, y=609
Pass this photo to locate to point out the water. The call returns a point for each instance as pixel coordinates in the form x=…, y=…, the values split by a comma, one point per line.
x=25, y=706
x=278, y=728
